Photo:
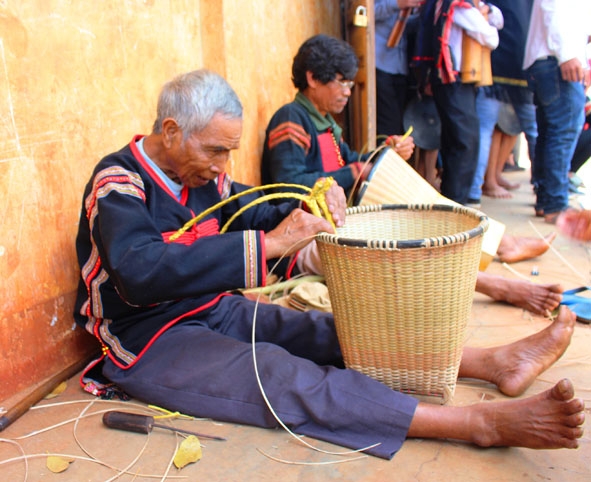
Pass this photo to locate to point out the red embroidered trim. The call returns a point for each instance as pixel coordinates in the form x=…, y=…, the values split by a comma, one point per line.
x=206, y=228
x=289, y=131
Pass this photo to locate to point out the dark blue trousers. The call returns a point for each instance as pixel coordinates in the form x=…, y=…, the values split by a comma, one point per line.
x=205, y=368
x=560, y=113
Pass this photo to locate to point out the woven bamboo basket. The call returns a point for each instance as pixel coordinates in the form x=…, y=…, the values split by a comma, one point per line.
x=401, y=281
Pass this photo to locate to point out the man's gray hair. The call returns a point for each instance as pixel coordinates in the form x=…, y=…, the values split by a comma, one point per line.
x=192, y=99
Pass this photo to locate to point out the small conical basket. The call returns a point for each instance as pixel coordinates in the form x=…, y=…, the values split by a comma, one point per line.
x=401, y=281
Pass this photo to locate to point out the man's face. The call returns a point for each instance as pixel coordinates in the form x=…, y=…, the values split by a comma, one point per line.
x=332, y=97
x=203, y=155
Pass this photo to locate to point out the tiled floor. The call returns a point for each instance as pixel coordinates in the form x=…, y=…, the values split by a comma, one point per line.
x=250, y=454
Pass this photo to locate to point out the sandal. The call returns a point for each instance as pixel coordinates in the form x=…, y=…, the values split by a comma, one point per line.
x=579, y=305
x=575, y=180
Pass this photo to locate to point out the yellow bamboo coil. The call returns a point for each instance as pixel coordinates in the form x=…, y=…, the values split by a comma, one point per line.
x=315, y=200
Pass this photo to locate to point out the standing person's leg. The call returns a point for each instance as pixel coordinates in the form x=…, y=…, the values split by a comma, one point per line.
x=495, y=185
x=456, y=105
x=508, y=123
x=391, y=92
x=560, y=119
x=514, y=158
x=526, y=113
x=429, y=160
x=582, y=151
x=491, y=186
x=487, y=109
x=507, y=144
x=537, y=171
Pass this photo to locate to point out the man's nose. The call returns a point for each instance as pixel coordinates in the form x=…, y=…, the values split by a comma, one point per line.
x=219, y=165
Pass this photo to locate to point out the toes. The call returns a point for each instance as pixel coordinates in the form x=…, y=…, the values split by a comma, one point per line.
x=576, y=408
x=557, y=288
x=563, y=390
x=576, y=420
x=564, y=311
x=570, y=443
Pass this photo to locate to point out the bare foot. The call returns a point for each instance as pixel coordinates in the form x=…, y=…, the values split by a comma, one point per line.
x=503, y=182
x=538, y=299
x=515, y=248
x=550, y=420
x=514, y=367
x=434, y=181
x=496, y=191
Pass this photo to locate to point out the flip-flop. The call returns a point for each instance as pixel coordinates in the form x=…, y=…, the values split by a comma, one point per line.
x=576, y=181
x=579, y=305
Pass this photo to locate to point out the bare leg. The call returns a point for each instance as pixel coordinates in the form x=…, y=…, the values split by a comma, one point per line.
x=514, y=367
x=549, y=420
x=506, y=147
x=419, y=162
x=430, y=161
x=537, y=298
x=491, y=187
x=513, y=248
x=426, y=165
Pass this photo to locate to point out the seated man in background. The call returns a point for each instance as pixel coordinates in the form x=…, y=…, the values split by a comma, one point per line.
x=303, y=143
x=173, y=334
x=303, y=140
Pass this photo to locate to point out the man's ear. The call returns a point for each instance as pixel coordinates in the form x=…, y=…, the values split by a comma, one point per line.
x=312, y=82
x=170, y=131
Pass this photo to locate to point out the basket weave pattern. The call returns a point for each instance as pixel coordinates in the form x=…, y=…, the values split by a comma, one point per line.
x=401, y=281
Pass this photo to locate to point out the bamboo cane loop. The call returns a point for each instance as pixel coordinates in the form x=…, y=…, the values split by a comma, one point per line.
x=315, y=200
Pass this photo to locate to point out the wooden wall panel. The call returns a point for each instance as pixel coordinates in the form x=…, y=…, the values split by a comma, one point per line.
x=262, y=42
x=77, y=81
x=362, y=133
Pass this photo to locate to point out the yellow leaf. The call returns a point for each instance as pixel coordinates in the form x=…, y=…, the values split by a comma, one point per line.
x=188, y=452
x=57, y=391
x=58, y=464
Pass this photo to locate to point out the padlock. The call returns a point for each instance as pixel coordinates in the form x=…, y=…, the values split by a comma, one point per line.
x=360, y=18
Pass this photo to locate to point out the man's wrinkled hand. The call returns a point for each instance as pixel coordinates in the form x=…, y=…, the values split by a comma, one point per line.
x=404, y=147
x=293, y=233
x=336, y=202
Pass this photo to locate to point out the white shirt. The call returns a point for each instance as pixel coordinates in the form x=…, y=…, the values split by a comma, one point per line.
x=476, y=26
x=558, y=28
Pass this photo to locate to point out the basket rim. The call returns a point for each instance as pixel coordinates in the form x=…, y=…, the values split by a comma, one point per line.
x=455, y=238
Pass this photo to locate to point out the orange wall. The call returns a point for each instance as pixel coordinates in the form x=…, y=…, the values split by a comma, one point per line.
x=77, y=81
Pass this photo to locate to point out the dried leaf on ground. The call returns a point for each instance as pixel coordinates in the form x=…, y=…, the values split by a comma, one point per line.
x=57, y=391
x=58, y=464
x=188, y=452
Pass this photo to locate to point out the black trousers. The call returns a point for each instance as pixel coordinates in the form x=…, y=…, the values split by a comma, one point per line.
x=582, y=150
x=460, y=131
x=391, y=94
